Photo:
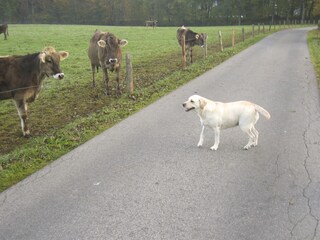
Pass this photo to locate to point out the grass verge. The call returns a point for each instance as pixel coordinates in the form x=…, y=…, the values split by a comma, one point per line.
x=314, y=48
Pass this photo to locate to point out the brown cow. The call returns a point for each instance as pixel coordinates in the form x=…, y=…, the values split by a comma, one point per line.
x=4, y=30
x=21, y=78
x=105, y=52
x=191, y=39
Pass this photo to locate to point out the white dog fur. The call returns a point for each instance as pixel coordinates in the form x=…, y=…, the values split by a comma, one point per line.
x=218, y=115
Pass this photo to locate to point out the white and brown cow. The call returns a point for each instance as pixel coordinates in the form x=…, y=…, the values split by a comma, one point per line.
x=21, y=78
x=151, y=23
x=105, y=52
x=187, y=39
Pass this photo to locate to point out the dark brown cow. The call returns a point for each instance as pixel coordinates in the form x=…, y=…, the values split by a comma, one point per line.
x=4, y=30
x=191, y=39
x=21, y=78
x=105, y=52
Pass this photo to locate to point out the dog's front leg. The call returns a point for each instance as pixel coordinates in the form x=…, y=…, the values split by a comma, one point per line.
x=216, y=138
x=201, y=136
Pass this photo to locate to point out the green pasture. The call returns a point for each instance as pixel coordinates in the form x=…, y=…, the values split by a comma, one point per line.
x=69, y=112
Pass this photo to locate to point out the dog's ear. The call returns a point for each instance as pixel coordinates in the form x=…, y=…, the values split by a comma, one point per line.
x=203, y=103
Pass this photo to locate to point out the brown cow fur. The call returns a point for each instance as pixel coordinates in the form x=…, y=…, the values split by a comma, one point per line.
x=4, y=30
x=190, y=39
x=21, y=78
x=105, y=51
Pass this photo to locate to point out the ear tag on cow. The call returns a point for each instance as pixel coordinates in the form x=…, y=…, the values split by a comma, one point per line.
x=102, y=43
x=197, y=36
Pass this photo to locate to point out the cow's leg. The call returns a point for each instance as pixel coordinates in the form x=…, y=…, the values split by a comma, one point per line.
x=93, y=72
x=118, y=81
x=106, y=81
x=184, y=58
x=22, y=108
x=191, y=55
x=188, y=56
x=5, y=36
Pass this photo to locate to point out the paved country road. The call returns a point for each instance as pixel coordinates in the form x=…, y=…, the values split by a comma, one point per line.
x=145, y=178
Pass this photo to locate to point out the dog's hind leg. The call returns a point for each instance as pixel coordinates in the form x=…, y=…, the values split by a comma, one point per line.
x=256, y=133
x=201, y=136
x=216, y=138
x=252, y=137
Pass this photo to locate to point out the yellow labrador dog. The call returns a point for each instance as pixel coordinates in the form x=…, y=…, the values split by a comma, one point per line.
x=218, y=115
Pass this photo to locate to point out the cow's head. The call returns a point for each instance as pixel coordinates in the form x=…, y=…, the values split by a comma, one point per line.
x=110, y=50
x=200, y=39
x=50, y=62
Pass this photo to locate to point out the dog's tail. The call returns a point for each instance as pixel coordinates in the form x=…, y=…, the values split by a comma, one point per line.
x=262, y=111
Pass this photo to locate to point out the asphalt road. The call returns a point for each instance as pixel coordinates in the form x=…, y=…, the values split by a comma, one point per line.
x=145, y=178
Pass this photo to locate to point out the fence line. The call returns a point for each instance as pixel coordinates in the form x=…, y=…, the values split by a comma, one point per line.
x=225, y=39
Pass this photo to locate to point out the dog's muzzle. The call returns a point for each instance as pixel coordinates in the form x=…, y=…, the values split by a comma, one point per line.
x=188, y=109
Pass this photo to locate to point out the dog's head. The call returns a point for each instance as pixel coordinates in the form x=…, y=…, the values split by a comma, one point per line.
x=194, y=102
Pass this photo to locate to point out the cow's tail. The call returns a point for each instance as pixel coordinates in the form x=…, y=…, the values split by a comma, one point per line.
x=262, y=111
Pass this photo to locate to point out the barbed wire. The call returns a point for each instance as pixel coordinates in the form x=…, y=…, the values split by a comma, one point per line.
x=17, y=89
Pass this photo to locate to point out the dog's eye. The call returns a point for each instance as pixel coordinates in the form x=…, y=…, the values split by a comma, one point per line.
x=192, y=101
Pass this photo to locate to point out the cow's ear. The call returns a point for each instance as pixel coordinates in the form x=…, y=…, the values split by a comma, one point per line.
x=42, y=57
x=63, y=55
x=197, y=36
x=102, y=43
x=123, y=42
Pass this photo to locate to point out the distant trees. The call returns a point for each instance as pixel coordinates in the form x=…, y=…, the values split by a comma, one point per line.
x=167, y=12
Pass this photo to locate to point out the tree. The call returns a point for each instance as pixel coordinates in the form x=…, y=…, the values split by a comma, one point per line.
x=167, y=12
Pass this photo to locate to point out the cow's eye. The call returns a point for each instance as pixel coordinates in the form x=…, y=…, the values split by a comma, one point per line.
x=49, y=60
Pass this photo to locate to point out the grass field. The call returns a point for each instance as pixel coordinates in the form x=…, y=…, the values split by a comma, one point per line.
x=69, y=112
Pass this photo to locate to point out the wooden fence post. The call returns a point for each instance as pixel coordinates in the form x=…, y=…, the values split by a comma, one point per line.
x=129, y=76
x=205, y=45
x=242, y=34
x=220, y=40
x=232, y=37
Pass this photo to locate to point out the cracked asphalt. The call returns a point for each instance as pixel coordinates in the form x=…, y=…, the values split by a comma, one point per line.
x=145, y=178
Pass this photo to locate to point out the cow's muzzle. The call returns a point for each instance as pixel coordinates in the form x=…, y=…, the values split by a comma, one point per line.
x=58, y=76
x=113, y=60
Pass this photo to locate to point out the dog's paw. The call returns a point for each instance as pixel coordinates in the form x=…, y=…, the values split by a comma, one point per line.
x=246, y=147
x=199, y=145
x=214, y=148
